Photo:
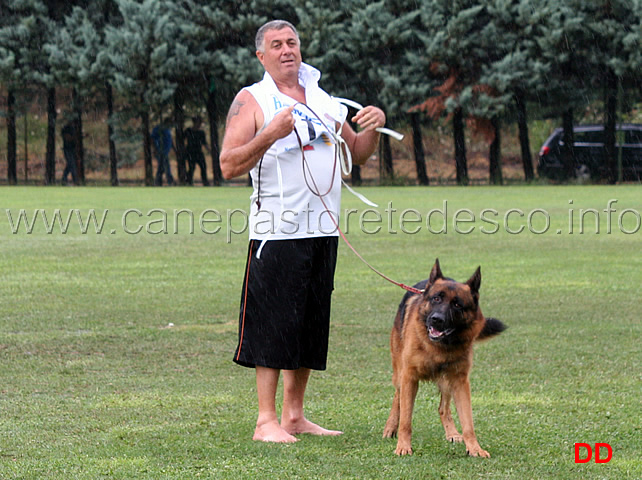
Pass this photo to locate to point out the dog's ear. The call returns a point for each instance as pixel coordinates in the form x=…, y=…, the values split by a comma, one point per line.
x=435, y=273
x=474, y=282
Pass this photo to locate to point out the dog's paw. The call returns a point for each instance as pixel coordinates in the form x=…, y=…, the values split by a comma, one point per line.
x=403, y=450
x=456, y=438
x=389, y=432
x=478, y=452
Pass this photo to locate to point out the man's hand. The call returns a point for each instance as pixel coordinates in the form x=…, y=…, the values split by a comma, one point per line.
x=281, y=125
x=364, y=143
x=370, y=118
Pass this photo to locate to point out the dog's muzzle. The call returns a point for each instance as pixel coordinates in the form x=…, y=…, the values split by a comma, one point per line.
x=436, y=326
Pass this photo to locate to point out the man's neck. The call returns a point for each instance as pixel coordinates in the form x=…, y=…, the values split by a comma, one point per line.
x=291, y=87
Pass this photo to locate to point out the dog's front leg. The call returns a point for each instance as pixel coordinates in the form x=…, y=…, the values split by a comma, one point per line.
x=407, y=395
x=461, y=391
x=452, y=435
x=392, y=424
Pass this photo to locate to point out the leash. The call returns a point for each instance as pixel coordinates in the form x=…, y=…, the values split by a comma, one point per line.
x=358, y=106
x=315, y=191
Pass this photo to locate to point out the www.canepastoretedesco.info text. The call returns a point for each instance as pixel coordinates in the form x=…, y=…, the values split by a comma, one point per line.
x=390, y=220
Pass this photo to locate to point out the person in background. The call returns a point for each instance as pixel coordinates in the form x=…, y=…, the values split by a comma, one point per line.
x=163, y=145
x=68, y=133
x=195, y=138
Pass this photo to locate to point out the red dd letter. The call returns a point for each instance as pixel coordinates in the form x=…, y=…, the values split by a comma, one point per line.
x=577, y=453
x=597, y=453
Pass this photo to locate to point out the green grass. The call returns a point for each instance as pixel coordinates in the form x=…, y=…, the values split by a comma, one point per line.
x=95, y=383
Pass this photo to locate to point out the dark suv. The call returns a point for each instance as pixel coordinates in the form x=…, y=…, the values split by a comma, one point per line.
x=589, y=152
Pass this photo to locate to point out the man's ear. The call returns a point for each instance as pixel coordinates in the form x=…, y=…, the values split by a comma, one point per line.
x=260, y=55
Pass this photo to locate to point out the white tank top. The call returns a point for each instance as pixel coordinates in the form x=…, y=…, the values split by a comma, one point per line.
x=285, y=202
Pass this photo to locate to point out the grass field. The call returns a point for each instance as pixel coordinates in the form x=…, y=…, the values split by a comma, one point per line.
x=115, y=347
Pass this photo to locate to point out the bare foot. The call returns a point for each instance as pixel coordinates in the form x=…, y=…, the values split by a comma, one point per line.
x=305, y=426
x=273, y=432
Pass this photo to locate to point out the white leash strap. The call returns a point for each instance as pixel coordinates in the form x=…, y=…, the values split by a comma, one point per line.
x=358, y=195
x=278, y=225
x=345, y=156
x=358, y=106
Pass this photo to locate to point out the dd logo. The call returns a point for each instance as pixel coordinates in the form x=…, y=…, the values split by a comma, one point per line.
x=589, y=453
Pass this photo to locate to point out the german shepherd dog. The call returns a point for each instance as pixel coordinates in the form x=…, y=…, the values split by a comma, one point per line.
x=432, y=340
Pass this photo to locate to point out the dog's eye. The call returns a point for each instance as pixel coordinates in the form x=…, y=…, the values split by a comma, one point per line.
x=436, y=299
x=457, y=304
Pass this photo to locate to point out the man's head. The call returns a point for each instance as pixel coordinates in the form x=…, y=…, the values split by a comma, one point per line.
x=278, y=49
x=273, y=25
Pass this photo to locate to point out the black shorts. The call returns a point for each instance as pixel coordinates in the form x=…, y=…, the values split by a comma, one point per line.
x=284, y=322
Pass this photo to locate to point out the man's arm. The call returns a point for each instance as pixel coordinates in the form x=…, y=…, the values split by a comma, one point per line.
x=242, y=148
x=364, y=143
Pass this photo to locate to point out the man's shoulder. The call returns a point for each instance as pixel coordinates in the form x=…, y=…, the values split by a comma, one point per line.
x=248, y=93
x=244, y=106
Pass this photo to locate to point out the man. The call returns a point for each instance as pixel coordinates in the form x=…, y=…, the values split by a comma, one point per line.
x=69, y=150
x=162, y=143
x=275, y=129
x=195, y=138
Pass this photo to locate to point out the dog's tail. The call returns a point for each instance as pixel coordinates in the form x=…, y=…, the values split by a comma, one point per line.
x=491, y=328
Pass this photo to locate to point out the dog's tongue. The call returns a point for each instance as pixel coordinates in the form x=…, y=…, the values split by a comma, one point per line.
x=435, y=333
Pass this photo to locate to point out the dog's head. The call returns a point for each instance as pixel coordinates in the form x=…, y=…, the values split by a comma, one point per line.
x=450, y=308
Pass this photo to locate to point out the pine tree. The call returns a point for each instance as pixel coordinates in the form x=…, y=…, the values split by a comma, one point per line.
x=212, y=58
x=136, y=52
x=74, y=56
x=10, y=29
x=42, y=73
x=68, y=51
x=407, y=81
x=482, y=51
x=610, y=24
x=569, y=73
x=360, y=47
x=456, y=47
x=23, y=29
x=514, y=70
x=191, y=64
x=221, y=35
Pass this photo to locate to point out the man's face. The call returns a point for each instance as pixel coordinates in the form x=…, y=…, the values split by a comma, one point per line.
x=282, y=55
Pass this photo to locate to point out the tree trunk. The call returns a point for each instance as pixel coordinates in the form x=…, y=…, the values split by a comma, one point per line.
x=12, y=151
x=461, y=164
x=356, y=175
x=113, y=159
x=568, y=150
x=25, y=137
x=213, y=121
x=80, y=148
x=386, y=155
x=147, y=148
x=179, y=123
x=495, y=155
x=216, y=150
x=418, y=148
x=522, y=124
x=610, y=118
x=50, y=155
